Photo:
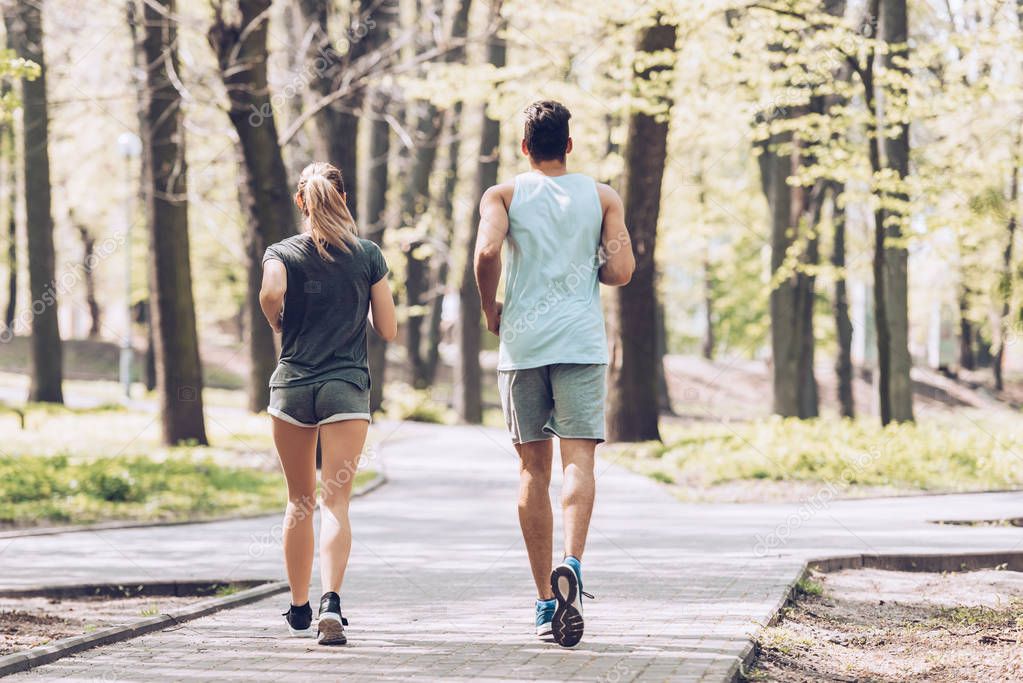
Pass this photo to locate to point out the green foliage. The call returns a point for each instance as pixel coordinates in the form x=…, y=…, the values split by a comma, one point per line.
x=958, y=454
x=12, y=67
x=35, y=489
x=408, y=403
x=807, y=586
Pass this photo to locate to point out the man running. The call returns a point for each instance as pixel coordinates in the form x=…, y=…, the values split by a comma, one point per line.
x=564, y=232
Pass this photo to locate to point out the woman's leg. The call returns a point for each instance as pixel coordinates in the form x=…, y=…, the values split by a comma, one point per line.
x=296, y=447
x=341, y=445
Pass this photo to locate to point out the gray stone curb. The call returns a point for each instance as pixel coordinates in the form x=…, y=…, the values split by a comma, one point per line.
x=45, y=654
x=920, y=562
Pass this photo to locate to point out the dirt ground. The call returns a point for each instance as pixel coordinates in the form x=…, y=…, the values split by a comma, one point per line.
x=885, y=626
x=29, y=622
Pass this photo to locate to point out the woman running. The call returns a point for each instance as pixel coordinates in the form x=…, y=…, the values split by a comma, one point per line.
x=318, y=289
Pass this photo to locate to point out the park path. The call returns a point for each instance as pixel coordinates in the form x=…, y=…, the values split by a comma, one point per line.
x=439, y=587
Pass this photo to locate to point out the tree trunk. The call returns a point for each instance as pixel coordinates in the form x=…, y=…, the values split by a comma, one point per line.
x=337, y=125
x=663, y=395
x=10, y=152
x=894, y=256
x=708, y=310
x=376, y=225
x=242, y=54
x=298, y=152
x=967, y=358
x=23, y=19
x=881, y=325
x=793, y=220
x=468, y=376
x=88, y=259
x=138, y=79
x=1006, y=281
x=415, y=203
x=452, y=126
x=632, y=379
x=178, y=370
x=843, y=325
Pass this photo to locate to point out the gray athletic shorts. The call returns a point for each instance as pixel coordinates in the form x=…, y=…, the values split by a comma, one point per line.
x=309, y=405
x=564, y=400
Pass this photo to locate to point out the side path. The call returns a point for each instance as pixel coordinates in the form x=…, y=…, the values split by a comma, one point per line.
x=439, y=586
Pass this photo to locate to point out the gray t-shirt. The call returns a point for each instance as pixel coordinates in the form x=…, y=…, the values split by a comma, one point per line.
x=325, y=311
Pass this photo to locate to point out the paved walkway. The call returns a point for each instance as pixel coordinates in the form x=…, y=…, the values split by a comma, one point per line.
x=439, y=587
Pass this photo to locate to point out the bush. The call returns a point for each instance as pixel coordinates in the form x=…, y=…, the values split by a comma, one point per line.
x=408, y=403
x=960, y=453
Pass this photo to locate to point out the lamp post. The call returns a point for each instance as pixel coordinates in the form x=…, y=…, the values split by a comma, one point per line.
x=130, y=147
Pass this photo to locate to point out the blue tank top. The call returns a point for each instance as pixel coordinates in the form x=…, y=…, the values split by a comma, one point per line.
x=552, y=310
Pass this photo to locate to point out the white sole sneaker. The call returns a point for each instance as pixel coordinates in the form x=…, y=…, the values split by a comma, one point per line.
x=330, y=630
x=567, y=626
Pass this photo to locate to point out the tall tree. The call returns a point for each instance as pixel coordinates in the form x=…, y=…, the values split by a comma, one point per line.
x=143, y=308
x=633, y=373
x=468, y=375
x=794, y=210
x=378, y=176
x=88, y=261
x=419, y=287
x=178, y=369
x=298, y=152
x=337, y=124
x=23, y=19
x=9, y=143
x=843, y=325
x=240, y=46
x=452, y=126
x=891, y=268
x=1006, y=279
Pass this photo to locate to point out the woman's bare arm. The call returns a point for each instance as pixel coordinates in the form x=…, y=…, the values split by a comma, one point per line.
x=271, y=293
x=381, y=310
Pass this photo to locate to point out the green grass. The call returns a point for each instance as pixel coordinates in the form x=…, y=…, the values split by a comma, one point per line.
x=808, y=586
x=58, y=489
x=966, y=452
x=78, y=466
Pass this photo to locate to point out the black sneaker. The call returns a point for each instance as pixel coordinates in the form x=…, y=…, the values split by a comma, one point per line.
x=331, y=626
x=300, y=620
x=567, y=624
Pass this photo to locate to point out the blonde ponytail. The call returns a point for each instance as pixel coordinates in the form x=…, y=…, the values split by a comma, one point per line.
x=321, y=198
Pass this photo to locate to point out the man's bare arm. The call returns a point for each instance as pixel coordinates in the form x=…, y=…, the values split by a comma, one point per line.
x=615, y=244
x=271, y=293
x=492, y=232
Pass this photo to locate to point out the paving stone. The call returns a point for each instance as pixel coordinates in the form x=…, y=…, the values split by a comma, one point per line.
x=439, y=586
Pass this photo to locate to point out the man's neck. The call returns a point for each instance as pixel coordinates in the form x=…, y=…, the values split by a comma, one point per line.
x=552, y=167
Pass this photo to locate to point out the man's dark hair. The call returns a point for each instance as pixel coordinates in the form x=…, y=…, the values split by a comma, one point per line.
x=547, y=130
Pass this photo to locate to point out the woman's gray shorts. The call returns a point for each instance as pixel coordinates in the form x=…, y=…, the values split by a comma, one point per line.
x=309, y=405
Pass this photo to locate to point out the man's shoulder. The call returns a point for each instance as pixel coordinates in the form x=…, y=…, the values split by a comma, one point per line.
x=502, y=192
x=608, y=195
